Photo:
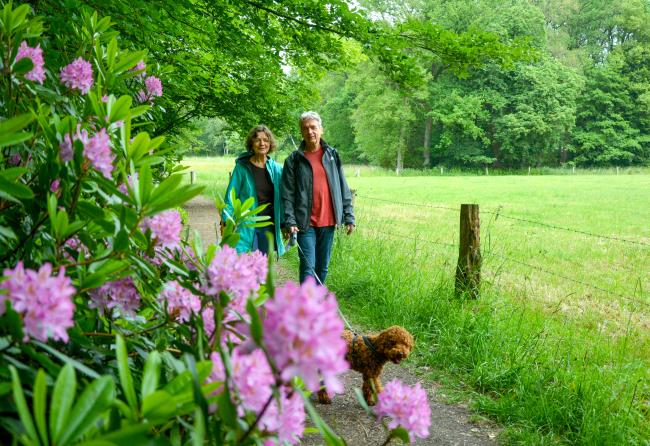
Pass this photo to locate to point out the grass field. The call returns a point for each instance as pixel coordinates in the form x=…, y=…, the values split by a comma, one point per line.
x=557, y=348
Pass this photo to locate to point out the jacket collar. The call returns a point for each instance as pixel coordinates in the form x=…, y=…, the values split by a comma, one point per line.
x=326, y=147
x=245, y=156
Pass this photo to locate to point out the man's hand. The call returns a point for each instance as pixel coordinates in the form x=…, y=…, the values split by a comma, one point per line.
x=349, y=229
x=288, y=230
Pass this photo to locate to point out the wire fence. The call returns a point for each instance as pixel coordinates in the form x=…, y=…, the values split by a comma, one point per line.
x=499, y=214
x=487, y=253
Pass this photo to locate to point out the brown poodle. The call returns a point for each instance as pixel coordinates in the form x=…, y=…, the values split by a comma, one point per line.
x=368, y=354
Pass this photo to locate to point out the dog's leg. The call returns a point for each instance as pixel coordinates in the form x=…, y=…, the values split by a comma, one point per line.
x=378, y=386
x=323, y=397
x=368, y=389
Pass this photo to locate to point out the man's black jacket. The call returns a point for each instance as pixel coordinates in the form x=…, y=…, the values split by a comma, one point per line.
x=298, y=183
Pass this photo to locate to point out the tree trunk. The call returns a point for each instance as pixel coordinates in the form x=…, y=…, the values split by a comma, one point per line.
x=400, y=146
x=496, y=153
x=428, y=127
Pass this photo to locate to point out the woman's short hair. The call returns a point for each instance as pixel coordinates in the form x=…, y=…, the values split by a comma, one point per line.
x=260, y=129
x=309, y=115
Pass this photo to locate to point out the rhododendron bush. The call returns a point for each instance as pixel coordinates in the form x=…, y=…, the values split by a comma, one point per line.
x=116, y=326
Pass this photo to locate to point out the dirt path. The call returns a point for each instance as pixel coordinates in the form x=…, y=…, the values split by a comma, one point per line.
x=450, y=425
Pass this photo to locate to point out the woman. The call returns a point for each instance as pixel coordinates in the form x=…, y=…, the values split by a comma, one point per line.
x=257, y=175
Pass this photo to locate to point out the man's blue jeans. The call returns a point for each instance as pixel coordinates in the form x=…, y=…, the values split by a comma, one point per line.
x=315, y=250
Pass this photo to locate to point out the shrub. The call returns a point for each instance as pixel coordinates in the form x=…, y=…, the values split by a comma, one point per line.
x=136, y=334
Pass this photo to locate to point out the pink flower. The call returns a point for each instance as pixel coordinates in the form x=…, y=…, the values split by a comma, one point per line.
x=208, y=321
x=237, y=275
x=141, y=66
x=15, y=159
x=78, y=75
x=73, y=244
x=54, y=187
x=252, y=378
x=120, y=294
x=180, y=302
x=407, y=407
x=287, y=421
x=105, y=99
x=154, y=87
x=66, y=146
x=302, y=330
x=165, y=228
x=37, y=74
x=218, y=373
x=44, y=301
x=98, y=151
x=142, y=96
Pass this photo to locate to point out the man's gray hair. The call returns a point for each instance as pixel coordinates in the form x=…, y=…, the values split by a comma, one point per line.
x=309, y=115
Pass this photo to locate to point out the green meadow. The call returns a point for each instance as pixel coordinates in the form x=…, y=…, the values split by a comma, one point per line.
x=557, y=347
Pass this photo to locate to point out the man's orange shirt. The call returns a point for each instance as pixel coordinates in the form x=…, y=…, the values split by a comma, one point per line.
x=322, y=210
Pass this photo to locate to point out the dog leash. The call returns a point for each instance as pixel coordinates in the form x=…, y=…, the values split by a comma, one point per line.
x=366, y=340
x=313, y=270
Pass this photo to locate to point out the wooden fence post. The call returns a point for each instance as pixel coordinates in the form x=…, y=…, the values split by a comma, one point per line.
x=468, y=270
x=192, y=176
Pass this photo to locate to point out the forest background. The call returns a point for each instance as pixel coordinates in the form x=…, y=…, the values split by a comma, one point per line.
x=578, y=96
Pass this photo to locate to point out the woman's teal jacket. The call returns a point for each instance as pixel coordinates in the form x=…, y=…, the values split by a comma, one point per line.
x=244, y=185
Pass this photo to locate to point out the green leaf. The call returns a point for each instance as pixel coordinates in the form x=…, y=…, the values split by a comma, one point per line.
x=10, y=139
x=111, y=52
x=65, y=390
x=14, y=191
x=120, y=109
x=61, y=224
x=103, y=24
x=18, y=16
x=126, y=380
x=198, y=434
x=128, y=60
x=227, y=410
x=139, y=110
x=362, y=400
x=270, y=285
x=16, y=123
x=7, y=233
x=24, y=65
x=93, y=402
x=21, y=405
x=39, y=401
x=145, y=181
x=68, y=360
x=256, y=322
x=179, y=197
x=106, y=271
x=401, y=433
x=180, y=384
x=51, y=206
x=133, y=435
x=13, y=173
x=151, y=374
x=159, y=405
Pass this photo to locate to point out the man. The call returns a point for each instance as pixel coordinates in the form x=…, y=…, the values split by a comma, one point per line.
x=316, y=198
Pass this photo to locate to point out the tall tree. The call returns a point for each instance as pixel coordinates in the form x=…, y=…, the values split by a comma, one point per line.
x=224, y=58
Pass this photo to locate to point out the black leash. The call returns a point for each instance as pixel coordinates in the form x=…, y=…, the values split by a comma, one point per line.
x=366, y=340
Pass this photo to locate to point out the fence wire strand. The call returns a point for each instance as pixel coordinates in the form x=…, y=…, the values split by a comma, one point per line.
x=401, y=236
x=498, y=214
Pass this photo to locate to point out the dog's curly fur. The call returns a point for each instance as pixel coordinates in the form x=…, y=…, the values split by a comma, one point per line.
x=393, y=344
